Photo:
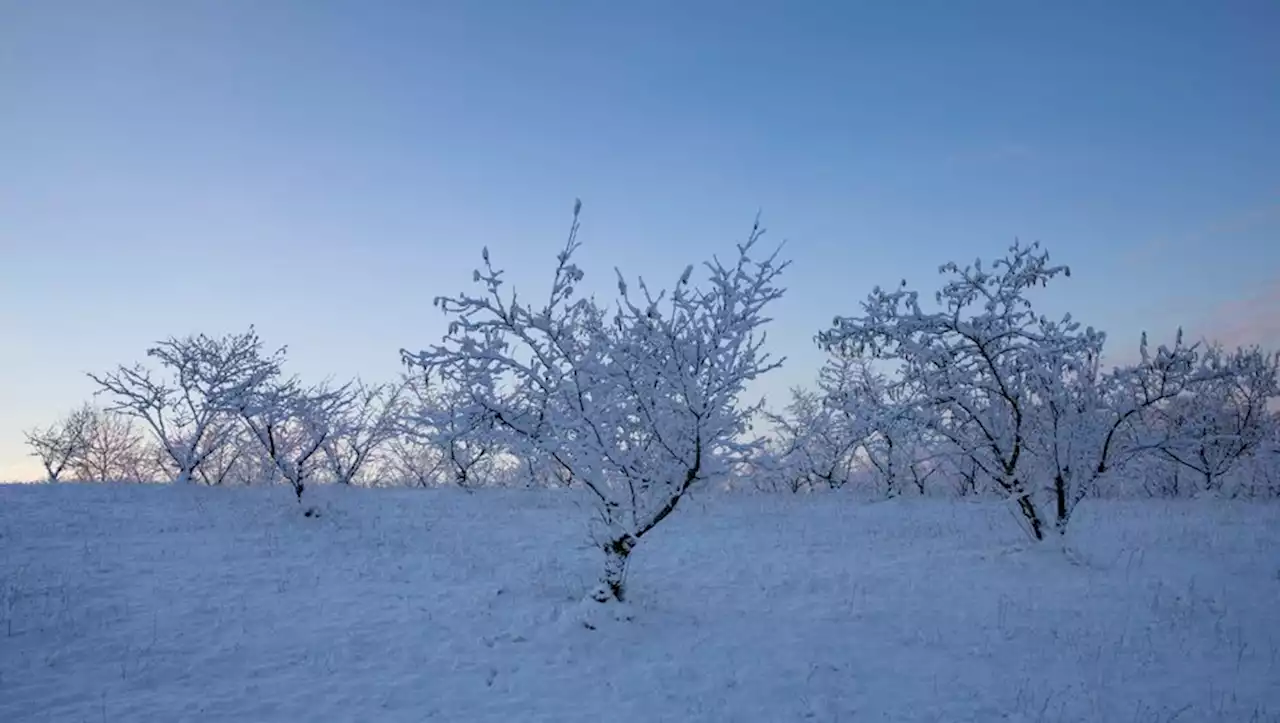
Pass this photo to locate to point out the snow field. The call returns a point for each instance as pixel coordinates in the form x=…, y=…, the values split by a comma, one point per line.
x=155, y=603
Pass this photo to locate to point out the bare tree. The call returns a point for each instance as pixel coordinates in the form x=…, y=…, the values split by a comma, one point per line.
x=201, y=381
x=369, y=420
x=60, y=445
x=240, y=460
x=113, y=449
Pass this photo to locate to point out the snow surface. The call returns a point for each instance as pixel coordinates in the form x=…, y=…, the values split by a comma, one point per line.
x=151, y=603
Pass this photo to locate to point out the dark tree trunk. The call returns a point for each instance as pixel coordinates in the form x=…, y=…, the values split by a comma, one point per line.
x=1060, y=495
x=1028, y=508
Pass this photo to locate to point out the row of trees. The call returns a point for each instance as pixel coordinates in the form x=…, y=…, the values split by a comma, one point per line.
x=637, y=402
x=219, y=411
x=860, y=427
x=981, y=390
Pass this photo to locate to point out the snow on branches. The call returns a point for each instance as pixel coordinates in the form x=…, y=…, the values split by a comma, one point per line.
x=1025, y=400
x=368, y=420
x=636, y=401
x=464, y=444
x=201, y=381
x=60, y=445
x=1227, y=419
x=293, y=424
x=973, y=360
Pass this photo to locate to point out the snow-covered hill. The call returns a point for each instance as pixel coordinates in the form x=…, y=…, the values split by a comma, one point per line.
x=150, y=603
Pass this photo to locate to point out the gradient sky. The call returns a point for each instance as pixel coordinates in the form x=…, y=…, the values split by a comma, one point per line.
x=323, y=169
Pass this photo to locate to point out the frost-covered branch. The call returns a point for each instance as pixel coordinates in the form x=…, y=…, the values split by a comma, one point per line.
x=1225, y=418
x=61, y=445
x=204, y=379
x=293, y=423
x=368, y=422
x=466, y=447
x=969, y=360
x=638, y=402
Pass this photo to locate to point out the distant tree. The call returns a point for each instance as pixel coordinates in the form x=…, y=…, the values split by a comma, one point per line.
x=1262, y=467
x=239, y=460
x=468, y=445
x=1212, y=430
x=892, y=443
x=113, y=449
x=968, y=476
x=536, y=468
x=201, y=381
x=637, y=402
x=970, y=361
x=293, y=423
x=368, y=421
x=816, y=446
x=1088, y=423
x=413, y=461
x=777, y=464
x=60, y=445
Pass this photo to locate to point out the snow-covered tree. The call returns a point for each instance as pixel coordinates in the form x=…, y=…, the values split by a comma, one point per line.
x=967, y=477
x=857, y=418
x=467, y=442
x=240, y=460
x=815, y=445
x=200, y=382
x=409, y=460
x=970, y=361
x=292, y=423
x=1088, y=423
x=1212, y=430
x=369, y=421
x=60, y=445
x=638, y=401
x=895, y=448
x=113, y=449
x=1260, y=470
x=1023, y=401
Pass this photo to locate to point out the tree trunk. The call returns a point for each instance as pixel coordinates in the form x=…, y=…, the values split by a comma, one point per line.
x=1028, y=508
x=617, y=554
x=1060, y=495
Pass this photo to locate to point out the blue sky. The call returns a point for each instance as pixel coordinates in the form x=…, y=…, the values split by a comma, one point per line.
x=323, y=169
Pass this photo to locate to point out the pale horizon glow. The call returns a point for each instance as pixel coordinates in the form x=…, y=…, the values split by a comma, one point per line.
x=322, y=170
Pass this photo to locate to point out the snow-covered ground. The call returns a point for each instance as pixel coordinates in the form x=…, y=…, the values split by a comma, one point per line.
x=148, y=603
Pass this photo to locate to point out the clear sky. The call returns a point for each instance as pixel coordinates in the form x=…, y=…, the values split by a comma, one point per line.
x=323, y=169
